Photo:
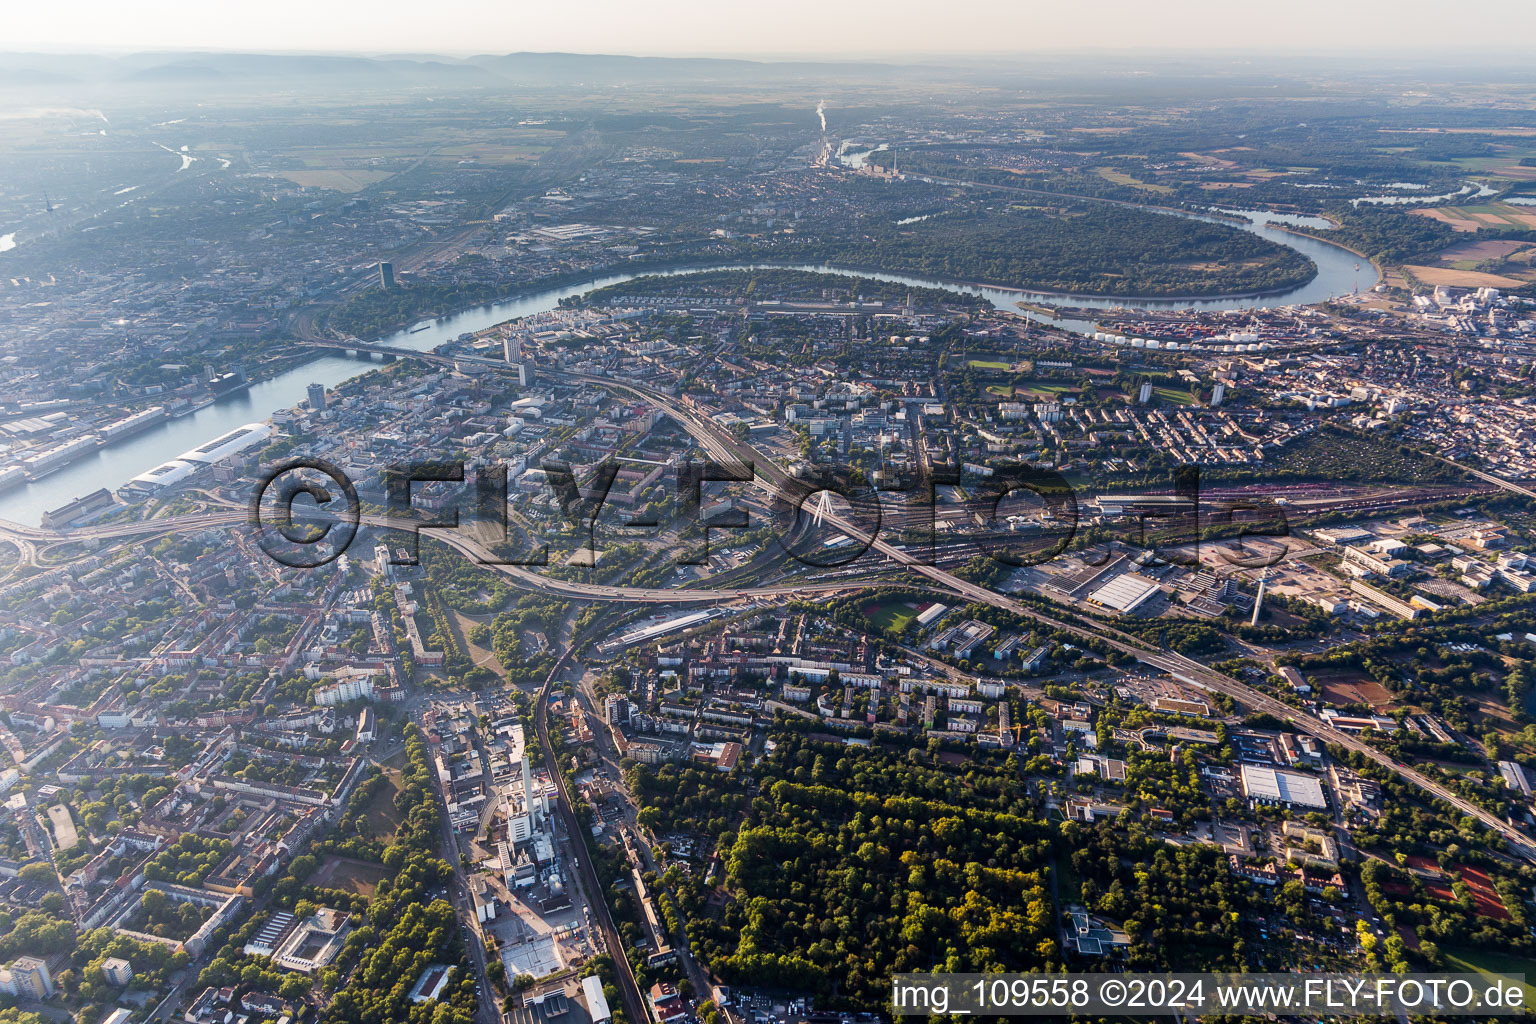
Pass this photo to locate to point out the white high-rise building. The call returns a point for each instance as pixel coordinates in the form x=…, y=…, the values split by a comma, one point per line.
x=345, y=691
x=527, y=785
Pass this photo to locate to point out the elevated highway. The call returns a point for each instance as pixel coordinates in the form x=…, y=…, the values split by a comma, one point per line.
x=721, y=445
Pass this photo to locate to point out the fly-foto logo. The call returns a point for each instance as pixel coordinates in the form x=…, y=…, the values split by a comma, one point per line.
x=307, y=512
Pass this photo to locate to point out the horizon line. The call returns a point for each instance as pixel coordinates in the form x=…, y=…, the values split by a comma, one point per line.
x=1235, y=50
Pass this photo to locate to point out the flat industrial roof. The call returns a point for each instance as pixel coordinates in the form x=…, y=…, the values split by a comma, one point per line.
x=1263, y=783
x=1124, y=593
x=597, y=1003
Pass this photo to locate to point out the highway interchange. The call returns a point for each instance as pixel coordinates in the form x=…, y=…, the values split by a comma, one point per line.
x=719, y=444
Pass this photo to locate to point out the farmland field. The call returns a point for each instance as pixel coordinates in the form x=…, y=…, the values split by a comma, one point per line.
x=1121, y=178
x=1477, y=252
x=1472, y=218
x=1461, y=278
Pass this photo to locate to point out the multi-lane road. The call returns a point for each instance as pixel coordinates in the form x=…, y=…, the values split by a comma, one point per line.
x=629, y=987
x=720, y=444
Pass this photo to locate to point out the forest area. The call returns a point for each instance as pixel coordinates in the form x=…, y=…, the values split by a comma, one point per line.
x=1085, y=248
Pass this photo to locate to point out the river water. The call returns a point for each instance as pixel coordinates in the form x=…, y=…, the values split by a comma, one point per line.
x=1471, y=188
x=115, y=465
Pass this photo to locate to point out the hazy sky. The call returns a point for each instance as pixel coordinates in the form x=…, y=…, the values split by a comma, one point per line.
x=867, y=28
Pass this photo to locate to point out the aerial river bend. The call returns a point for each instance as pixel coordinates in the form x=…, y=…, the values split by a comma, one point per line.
x=1339, y=272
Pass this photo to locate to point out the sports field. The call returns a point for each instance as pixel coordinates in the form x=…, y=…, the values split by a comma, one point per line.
x=1491, y=962
x=894, y=615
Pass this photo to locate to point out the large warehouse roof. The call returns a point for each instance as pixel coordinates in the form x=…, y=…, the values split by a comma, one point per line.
x=597, y=1003
x=167, y=474
x=225, y=445
x=1272, y=786
x=1124, y=593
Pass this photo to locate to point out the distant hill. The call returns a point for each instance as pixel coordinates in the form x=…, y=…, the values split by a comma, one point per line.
x=236, y=70
x=34, y=76
x=176, y=71
x=256, y=67
x=590, y=67
x=232, y=70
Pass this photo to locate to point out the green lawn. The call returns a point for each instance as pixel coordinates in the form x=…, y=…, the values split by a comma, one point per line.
x=1488, y=961
x=1491, y=163
x=381, y=814
x=1175, y=396
x=897, y=615
x=1121, y=178
x=1042, y=389
x=1035, y=387
x=989, y=364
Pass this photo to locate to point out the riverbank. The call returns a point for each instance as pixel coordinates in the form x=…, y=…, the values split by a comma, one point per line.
x=1381, y=271
x=114, y=465
x=668, y=268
